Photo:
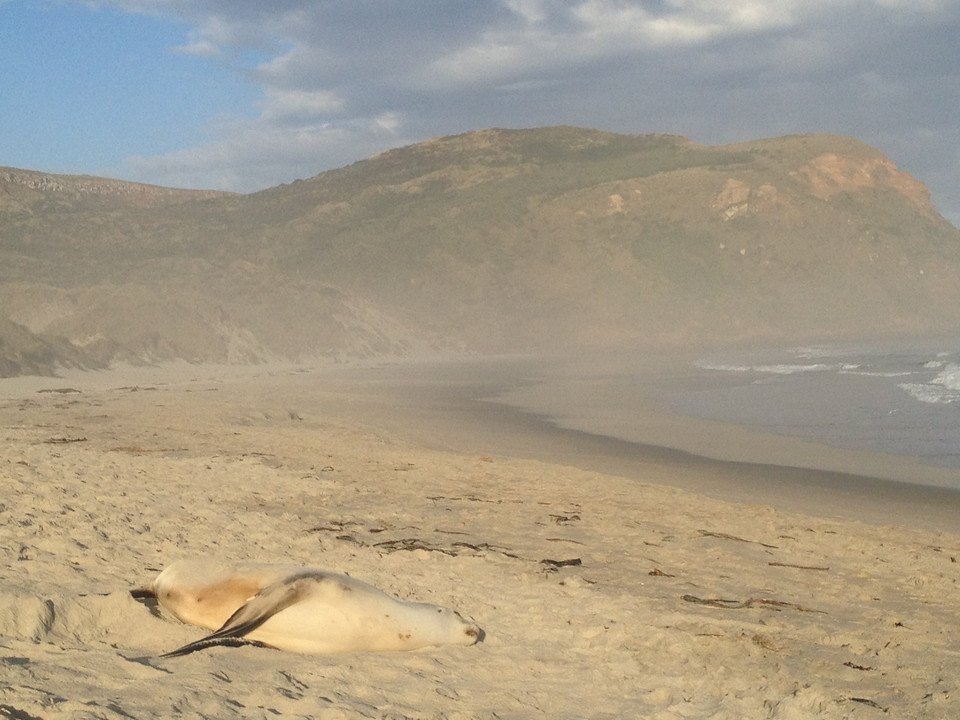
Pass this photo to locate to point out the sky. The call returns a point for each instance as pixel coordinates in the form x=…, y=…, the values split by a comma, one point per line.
x=247, y=94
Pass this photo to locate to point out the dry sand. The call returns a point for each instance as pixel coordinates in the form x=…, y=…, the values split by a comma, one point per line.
x=681, y=605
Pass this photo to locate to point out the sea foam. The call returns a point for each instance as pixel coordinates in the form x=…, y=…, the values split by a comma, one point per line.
x=944, y=388
x=774, y=369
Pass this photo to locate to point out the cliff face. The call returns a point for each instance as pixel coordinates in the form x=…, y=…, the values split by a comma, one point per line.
x=497, y=240
x=830, y=175
x=24, y=353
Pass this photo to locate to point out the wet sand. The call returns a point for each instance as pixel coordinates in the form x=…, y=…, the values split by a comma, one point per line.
x=530, y=408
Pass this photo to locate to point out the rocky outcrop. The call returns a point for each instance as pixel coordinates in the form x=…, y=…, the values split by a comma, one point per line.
x=24, y=353
x=830, y=174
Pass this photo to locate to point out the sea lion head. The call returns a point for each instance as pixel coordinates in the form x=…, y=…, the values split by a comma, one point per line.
x=443, y=626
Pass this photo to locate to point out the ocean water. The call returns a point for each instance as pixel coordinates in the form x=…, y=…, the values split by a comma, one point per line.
x=898, y=399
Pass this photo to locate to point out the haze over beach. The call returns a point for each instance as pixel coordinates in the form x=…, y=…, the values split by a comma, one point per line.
x=667, y=408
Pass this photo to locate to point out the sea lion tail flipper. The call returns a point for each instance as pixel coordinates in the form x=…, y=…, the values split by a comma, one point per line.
x=211, y=641
x=249, y=616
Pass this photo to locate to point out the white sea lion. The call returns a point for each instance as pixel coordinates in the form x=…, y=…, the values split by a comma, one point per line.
x=300, y=609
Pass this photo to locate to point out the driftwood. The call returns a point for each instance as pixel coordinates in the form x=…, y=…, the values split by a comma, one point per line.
x=562, y=563
x=798, y=567
x=142, y=449
x=871, y=703
x=748, y=603
x=566, y=540
x=726, y=536
x=411, y=544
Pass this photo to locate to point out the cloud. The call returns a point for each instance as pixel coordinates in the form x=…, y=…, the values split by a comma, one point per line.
x=198, y=45
x=343, y=79
x=248, y=155
x=199, y=48
x=560, y=37
x=297, y=107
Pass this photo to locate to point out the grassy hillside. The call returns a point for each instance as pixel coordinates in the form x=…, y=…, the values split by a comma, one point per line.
x=496, y=240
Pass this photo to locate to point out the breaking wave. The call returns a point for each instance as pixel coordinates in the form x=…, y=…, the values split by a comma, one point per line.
x=944, y=388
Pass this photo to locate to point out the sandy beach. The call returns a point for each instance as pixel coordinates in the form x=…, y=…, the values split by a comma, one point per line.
x=651, y=583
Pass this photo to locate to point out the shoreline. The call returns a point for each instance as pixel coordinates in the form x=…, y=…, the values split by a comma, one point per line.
x=499, y=407
x=442, y=413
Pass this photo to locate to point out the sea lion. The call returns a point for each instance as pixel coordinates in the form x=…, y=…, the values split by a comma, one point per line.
x=301, y=609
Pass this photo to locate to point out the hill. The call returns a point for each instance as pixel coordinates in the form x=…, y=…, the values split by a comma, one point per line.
x=493, y=241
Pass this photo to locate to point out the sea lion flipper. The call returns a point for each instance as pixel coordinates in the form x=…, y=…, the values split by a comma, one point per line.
x=262, y=606
x=251, y=615
x=211, y=641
